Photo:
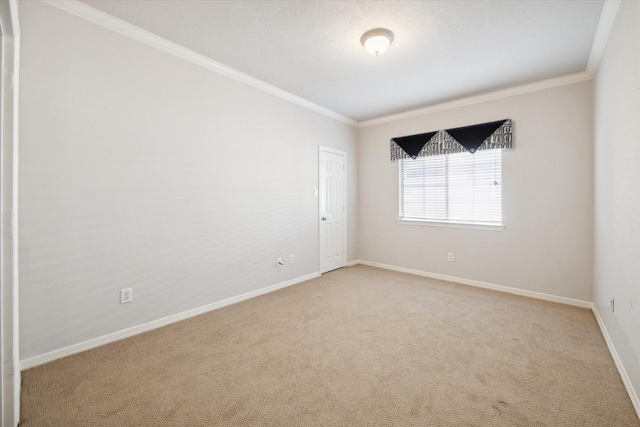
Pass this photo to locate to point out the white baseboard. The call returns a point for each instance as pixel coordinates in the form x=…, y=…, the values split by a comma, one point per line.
x=129, y=332
x=96, y=342
x=135, y=330
x=616, y=359
x=485, y=285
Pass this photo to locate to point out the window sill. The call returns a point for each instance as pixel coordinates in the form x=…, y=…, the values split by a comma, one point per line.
x=493, y=227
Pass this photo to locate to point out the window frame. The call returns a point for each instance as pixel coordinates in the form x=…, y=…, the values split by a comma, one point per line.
x=444, y=223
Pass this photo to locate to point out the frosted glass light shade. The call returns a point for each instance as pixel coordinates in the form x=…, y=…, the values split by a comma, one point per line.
x=376, y=41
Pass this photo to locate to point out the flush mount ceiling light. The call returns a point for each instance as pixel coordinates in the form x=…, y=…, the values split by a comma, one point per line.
x=376, y=41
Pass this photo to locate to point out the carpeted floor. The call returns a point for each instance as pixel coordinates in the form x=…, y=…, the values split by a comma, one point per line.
x=356, y=347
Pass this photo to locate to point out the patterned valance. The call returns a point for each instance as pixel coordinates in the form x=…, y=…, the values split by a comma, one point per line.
x=484, y=136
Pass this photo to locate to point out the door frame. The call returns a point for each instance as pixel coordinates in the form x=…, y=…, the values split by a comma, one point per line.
x=322, y=149
x=9, y=331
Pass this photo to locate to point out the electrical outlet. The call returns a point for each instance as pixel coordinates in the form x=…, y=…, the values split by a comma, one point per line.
x=126, y=295
x=279, y=262
x=450, y=257
x=292, y=259
x=612, y=304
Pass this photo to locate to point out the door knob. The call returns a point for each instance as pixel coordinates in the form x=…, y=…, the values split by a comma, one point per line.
x=324, y=218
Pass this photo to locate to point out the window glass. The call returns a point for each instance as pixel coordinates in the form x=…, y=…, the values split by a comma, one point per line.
x=457, y=188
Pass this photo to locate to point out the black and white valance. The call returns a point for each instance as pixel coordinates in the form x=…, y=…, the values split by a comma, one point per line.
x=484, y=136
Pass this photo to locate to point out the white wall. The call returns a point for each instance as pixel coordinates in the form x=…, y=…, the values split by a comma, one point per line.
x=546, y=245
x=617, y=188
x=140, y=169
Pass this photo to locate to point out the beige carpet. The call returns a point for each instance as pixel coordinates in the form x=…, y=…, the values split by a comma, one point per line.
x=356, y=347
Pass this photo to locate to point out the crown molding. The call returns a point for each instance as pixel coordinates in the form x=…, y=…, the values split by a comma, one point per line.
x=499, y=94
x=605, y=24
x=105, y=20
x=607, y=16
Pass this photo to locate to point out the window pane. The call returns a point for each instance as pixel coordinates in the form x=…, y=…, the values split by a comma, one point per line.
x=459, y=187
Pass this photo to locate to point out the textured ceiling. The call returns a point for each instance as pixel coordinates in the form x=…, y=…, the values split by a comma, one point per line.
x=443, y=50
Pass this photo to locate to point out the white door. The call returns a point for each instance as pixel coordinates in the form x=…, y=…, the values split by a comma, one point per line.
x=332, y=204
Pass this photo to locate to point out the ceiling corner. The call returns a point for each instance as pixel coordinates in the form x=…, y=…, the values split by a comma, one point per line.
x=609, y=10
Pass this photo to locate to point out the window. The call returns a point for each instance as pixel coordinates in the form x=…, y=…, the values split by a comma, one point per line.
x=455, y=188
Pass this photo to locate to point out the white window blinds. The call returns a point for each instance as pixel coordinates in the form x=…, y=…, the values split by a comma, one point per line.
x=457, y=188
